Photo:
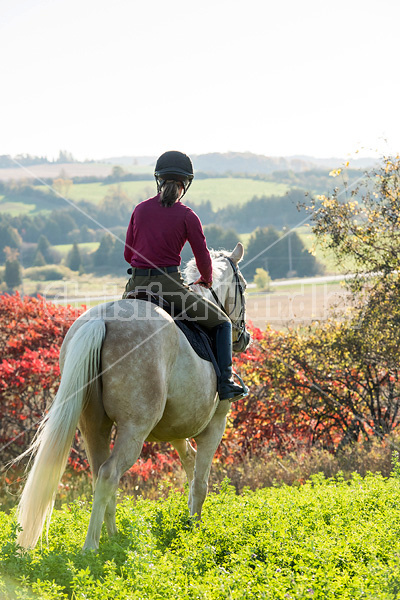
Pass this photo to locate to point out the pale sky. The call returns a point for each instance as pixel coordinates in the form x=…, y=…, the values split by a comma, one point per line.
x=104, y=78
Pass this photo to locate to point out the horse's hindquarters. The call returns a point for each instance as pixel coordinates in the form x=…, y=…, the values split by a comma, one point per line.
x=137, y=359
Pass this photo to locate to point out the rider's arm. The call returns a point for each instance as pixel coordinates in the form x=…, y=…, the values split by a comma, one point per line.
x=128, y=252
x=197, y=241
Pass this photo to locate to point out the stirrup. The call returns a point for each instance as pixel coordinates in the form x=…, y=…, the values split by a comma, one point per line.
x=234, y=395
x=244, y=386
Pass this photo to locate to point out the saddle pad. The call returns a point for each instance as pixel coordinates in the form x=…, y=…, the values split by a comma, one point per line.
x=197, y=338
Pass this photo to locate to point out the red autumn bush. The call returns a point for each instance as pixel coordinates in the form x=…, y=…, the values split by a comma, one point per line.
x=268, y=418
x=31, y=332
x=325, y=386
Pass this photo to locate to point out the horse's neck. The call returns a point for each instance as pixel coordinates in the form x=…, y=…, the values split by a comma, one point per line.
x=220, y=287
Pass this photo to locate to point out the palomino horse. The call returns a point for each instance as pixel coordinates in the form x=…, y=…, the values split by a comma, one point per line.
x=127, y=363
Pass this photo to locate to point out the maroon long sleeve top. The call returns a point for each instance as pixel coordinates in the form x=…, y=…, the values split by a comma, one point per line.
x=156, y=235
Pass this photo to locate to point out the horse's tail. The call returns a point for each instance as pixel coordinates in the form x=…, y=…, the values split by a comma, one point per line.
x=53, y=440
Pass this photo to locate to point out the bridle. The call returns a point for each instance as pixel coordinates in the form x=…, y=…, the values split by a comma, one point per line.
x=239, y=324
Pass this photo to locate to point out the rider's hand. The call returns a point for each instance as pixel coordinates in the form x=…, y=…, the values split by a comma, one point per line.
x=202, y=283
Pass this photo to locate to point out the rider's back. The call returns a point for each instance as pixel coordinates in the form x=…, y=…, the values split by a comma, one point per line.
x=157, y=234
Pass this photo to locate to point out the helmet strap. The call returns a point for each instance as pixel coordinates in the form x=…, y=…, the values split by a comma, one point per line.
x=185, y=188
x=160, y=183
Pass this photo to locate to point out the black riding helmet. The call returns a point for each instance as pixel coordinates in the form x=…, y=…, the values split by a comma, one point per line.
x=176, y=166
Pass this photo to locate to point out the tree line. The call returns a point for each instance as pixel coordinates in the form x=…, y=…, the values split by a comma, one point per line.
x=63, y=225
x=33, y=236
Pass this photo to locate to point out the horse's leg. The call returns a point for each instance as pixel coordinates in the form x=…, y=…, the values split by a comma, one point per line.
x=187, y=454
x=207, y=444
x=125, y=453
x=95, y=427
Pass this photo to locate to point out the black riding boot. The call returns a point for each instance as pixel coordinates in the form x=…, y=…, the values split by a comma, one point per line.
x=227, y=389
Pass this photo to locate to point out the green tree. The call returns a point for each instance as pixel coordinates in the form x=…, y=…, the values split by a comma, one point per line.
x=102, y=255
x=43, y=253
x=363, y=231
x=74, y=260
x=262, y=279
x=12, y=273
x=58, y=226
x=9, y=238
x=116, y=207
x=39, y=260
x=219, y=238
x=297, y=259
x=263, y=252
x=65, y=157
x=280, y=255
x=117, y=173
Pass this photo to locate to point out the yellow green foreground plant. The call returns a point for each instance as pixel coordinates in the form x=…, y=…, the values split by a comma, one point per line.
x=328, y=539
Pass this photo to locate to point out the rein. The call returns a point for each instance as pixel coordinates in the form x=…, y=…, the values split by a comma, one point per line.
x=238, y=289
x=239, y=324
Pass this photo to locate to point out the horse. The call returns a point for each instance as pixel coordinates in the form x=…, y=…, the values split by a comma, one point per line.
x=127, y=363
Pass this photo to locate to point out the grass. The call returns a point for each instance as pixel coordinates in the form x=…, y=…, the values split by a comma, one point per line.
x=328, y=539
x=96, y=192
x=225, y=191
x=16, y=208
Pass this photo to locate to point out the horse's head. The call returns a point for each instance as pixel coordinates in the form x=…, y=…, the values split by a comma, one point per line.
x=235, y=302
x=227, y=292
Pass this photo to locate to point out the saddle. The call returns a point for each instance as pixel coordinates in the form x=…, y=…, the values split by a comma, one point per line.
x=199, y=339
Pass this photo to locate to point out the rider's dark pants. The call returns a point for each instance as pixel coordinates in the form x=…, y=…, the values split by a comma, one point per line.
x=186, y=302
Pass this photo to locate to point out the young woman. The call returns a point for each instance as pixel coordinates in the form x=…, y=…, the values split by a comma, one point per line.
x=157, y=232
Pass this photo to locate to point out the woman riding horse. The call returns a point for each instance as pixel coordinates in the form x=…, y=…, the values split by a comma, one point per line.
x=158, y=229
x=125, y=363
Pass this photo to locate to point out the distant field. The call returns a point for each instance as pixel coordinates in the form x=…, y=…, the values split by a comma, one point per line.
x=296, y=304
x=63, y=249
x=16, y=208
x=219, y=191
x=224, y=191
x=55, y=170
x=22, y=204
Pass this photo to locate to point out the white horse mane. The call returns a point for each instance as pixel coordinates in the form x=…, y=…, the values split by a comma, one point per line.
x=191, y=271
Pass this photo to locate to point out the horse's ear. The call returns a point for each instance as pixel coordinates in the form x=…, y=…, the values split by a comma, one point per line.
x=237, y=253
